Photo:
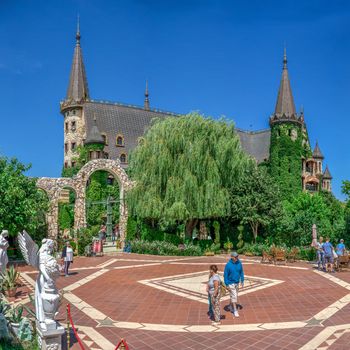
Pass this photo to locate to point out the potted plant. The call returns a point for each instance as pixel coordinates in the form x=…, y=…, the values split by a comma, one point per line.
x=228, y=245
x=9, y=281
x=209, y=252
x=14, y=317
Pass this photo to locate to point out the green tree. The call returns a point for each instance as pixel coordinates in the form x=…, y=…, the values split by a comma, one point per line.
x=22, y=204
x=183, y=170
x=255, y=200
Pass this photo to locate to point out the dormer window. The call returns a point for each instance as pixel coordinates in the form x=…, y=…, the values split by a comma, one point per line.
x=105, y=139
x=120, y=141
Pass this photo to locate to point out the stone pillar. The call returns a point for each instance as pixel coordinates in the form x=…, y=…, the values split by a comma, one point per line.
x=52, y=219
x=80, y=207
x=123, y=221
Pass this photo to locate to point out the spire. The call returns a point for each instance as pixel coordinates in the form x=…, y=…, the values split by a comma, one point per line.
x=327, y=175
x=146, y=103
x=94, y=135
x=78, y=88
x=285, y=103
x=317, y=154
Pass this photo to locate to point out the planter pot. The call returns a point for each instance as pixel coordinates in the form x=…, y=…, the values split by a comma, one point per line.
x=11, y=292
x=14, y=327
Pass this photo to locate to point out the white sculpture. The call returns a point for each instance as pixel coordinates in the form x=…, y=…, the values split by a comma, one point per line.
x=4, y=244
x=46, y=293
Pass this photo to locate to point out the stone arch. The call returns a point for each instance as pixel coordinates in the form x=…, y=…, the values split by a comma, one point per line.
x=54, y=186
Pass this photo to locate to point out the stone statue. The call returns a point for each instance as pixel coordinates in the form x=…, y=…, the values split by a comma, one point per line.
x=4, y=244
x=46, y=293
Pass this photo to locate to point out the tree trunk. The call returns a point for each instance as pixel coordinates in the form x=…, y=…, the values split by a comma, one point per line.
x=255, y=226
x=190, y=225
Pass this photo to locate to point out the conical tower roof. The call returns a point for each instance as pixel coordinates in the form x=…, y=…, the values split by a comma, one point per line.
x=78, y=90
x=327, y=174
x=285, y=102
x=317, y=154
x=94, y=135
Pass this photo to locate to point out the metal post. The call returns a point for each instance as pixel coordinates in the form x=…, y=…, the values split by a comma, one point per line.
x=68, y=329
x=109, y=223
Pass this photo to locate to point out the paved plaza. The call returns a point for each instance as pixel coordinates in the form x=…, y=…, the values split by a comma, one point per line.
x=160, y=303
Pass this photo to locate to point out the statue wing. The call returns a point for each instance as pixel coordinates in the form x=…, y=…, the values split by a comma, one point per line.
x=29, y=249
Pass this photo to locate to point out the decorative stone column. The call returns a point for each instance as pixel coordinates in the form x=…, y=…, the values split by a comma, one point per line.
x=52, y=219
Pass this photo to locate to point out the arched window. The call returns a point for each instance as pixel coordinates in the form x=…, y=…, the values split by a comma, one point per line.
x=120, y=141
x=123, y=158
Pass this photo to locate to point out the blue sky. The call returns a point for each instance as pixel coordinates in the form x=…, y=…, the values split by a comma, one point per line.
x=217, y=57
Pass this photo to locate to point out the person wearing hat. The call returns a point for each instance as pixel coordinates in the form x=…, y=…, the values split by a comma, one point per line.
x=233, y=275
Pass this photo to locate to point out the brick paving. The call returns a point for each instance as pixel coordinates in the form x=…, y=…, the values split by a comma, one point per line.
x=110, y=301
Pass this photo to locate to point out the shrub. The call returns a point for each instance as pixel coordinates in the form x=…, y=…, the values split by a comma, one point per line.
x=163, y=248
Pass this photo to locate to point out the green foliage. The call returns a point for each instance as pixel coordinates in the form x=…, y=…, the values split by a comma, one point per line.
x=228, y=245
x=184, y=168
x=240, y=243
x=216, y=226
x=9, y=279
x=131, y=229
x=164, y=248
x=65, y=216
x=15, y=315
x=255, y=199
x=300, y=214
x=22, y=205
x=286, y=155
x=85, y=237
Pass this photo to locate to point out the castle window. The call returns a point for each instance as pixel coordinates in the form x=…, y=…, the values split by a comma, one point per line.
x=73, y=146
x=73, y=112
x=105, y=139
x=66, y=125
x=278, y=132
x=73, y=164
x=123, y=158
x=73, y=126
x=110, y=180
x=65, y=164
x=289, y=132
x=65, y=148
x=120, y=141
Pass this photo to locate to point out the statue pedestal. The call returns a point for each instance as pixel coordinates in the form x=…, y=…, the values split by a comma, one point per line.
x=50, y=335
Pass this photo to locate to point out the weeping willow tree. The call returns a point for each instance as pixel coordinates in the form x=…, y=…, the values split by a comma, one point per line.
x=184, y=168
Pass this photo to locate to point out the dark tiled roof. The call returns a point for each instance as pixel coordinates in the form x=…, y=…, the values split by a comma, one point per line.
x=256, y=144
x=317, y=154
x=115, y=119
x=327, y=174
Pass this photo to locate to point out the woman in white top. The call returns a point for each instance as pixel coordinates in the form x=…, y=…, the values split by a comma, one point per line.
x=214, y=290
x=68, y=258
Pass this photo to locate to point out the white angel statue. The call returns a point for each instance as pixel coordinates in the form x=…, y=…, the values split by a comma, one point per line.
x=4, y=244
x=46, y=293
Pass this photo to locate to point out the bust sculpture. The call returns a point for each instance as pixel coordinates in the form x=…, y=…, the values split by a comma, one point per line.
x=4, y=244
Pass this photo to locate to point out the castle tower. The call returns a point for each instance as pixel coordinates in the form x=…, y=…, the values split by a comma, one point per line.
x=72, y=106
x=327, y=180
x=289, y=143
x=146, y=102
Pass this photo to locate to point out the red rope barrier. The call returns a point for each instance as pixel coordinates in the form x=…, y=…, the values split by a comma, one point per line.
x=74, y=330
x=126, y=347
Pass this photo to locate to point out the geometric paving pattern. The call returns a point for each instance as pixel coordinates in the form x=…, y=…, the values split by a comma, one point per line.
x=158, y=303
x=193, y=285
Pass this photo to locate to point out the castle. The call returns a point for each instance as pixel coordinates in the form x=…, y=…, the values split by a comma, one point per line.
x=112, y=130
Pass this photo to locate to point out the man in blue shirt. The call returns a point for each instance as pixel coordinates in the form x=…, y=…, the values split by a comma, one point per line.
x=328, y=255
x=233, y=275
x=340, y=250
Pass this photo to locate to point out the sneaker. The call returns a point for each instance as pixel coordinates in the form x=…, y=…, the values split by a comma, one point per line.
x=235, y=313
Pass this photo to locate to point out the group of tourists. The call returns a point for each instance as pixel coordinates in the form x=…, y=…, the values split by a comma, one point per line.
x=328, y=256
x=233, y=278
